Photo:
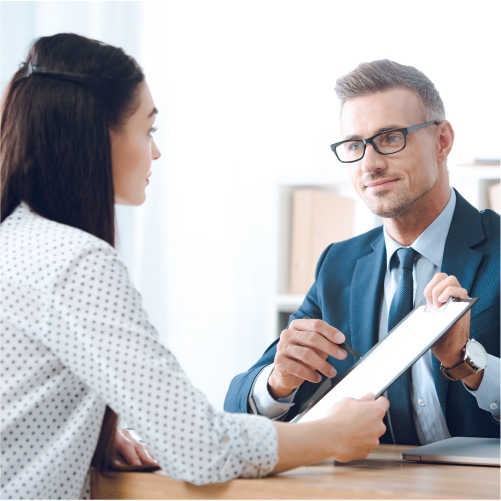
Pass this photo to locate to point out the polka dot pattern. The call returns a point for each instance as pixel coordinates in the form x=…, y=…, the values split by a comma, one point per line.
x=74, y=337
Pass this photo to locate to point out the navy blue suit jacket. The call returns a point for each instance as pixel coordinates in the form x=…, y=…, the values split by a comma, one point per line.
x=347, y=294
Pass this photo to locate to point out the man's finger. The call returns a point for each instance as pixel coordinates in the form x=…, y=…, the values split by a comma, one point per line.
x=285, y=367
x=314, y=340
x=308, y=357
x=320, y=326
x=441, y=288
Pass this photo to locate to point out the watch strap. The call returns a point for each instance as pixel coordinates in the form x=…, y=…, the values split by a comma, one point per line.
x=463, y=369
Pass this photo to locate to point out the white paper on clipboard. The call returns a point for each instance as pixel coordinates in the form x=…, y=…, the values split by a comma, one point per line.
x=391, y=357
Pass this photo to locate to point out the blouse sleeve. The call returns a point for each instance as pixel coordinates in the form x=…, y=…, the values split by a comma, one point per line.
x=98, y=328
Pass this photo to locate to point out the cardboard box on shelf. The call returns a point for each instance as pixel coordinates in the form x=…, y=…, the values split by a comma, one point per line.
x=494, y=197
x=319, y=217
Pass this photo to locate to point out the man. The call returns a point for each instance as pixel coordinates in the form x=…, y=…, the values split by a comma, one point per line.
x=395, y=145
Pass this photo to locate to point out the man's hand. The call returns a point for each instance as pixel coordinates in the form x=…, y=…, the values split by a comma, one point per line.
x=303, y=349
x=449, y=348
x=133, y=453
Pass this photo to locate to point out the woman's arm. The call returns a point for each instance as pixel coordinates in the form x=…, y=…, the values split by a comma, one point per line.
x=350, y=432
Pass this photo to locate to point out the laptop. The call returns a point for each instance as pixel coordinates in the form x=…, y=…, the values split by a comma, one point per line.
x=457, y=450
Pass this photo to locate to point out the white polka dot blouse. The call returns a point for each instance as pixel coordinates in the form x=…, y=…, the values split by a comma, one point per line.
x=74, y=337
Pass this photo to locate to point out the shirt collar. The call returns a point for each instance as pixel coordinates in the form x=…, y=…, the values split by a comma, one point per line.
x=431, y=243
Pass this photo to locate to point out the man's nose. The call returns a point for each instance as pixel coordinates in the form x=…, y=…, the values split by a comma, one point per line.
x=372, y=160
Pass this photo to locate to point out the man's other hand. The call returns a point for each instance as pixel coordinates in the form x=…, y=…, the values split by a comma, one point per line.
x=449, y=348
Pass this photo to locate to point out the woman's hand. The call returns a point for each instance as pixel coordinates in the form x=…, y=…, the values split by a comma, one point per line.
x=133, y=453
x=360, y=425
x=350, y=431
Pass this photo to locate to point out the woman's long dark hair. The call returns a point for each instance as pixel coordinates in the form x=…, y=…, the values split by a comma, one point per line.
x=56, y=154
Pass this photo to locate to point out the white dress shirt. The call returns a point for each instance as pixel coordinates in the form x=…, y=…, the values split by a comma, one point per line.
x=428, y=416
x=75, y=338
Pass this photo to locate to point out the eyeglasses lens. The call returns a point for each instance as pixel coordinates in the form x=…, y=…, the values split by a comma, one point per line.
x=390, y=142
x=349, y=151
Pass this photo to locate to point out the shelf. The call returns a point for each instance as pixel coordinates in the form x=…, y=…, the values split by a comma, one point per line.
x=476, y=172
x=289, y=302
x=339, y=176
x=474, y=181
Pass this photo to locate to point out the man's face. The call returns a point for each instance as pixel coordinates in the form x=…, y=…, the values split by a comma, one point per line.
x=391, y=184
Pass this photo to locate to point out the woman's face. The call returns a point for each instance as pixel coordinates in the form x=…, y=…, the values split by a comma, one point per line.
x=132, y=150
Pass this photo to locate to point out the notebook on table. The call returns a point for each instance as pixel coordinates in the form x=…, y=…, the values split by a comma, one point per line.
x=457, y=450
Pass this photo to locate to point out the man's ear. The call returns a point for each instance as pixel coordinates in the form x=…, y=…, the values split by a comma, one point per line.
x=445, y=140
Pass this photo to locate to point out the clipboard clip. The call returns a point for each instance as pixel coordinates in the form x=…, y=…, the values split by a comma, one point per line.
x=430, y=309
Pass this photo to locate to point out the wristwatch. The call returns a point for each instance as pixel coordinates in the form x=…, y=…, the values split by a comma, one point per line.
x=475, y=359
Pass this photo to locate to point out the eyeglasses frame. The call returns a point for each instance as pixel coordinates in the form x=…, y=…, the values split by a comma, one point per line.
x=404, y=130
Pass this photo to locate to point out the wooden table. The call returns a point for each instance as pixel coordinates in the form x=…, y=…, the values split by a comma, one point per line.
x=383, y=475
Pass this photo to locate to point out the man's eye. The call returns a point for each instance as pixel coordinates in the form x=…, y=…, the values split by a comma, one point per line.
x=153, y=130
x=353, y=145
x=392, y=139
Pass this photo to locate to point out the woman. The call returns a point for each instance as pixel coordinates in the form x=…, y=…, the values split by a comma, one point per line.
x=76, y=138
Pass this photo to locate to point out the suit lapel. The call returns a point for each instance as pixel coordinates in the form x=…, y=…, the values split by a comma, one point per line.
x=365, y=298
x=465, y=232
x=461, y=261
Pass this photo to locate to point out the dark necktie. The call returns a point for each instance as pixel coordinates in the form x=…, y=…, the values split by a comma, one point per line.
x=399, y=393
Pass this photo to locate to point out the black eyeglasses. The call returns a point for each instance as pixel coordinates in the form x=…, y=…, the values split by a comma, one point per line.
x=385, y=143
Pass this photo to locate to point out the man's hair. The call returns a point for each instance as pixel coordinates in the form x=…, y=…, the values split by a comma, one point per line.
x=383, y=75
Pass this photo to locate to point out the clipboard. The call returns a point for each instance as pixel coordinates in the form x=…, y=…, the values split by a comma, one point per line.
x=391, y=357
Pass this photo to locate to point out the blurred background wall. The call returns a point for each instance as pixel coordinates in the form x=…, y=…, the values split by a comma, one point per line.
x=244, y=90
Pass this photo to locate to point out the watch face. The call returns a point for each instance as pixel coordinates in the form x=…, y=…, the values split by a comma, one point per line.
x=476, y=352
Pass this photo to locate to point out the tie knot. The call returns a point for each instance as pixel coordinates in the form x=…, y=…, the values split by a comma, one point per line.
x=406, y=257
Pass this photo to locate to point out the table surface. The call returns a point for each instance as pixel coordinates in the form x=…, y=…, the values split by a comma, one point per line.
x=383, y=475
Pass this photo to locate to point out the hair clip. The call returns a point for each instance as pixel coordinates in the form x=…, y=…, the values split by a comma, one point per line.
x=32, y=68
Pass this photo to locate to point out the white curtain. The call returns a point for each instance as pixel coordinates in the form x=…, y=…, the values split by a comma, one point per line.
x=245, y=96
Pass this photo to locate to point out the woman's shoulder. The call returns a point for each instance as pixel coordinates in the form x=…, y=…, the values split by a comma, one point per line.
x=36, y=249
x=24, y=223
